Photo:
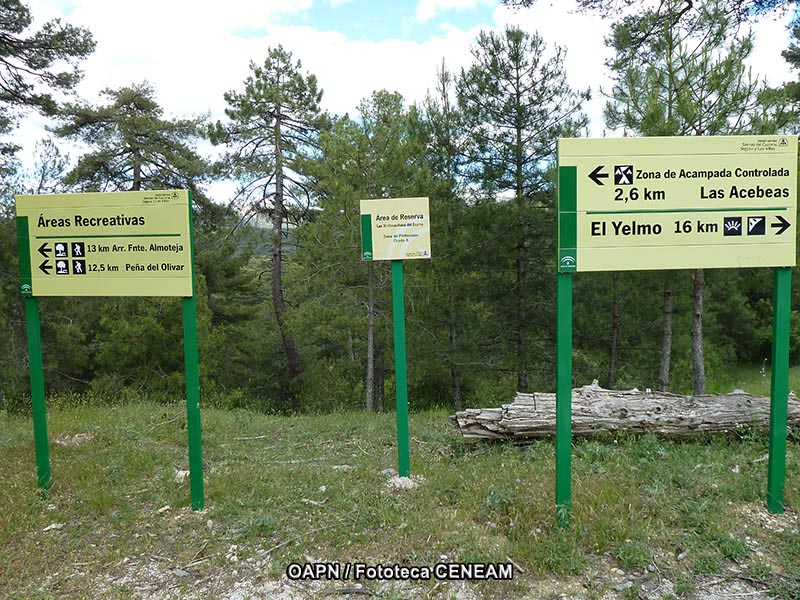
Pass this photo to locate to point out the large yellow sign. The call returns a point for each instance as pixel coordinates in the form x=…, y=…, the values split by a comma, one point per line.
x=106, y=244
x=395, y=229
x=677, y=202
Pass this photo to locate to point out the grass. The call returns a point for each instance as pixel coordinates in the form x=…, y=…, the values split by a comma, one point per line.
x=313, y=488
x=753, y=379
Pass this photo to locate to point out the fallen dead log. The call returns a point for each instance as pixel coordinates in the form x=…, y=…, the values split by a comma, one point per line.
x=597, y=411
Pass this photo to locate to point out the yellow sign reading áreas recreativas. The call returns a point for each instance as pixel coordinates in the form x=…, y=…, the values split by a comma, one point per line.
x=105, y=244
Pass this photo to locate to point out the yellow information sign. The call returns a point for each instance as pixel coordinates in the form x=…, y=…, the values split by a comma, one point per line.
x=395, y=229
x=106, y=244
x=677, y=202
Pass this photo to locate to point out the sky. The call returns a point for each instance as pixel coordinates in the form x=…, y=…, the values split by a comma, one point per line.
x=192, y=52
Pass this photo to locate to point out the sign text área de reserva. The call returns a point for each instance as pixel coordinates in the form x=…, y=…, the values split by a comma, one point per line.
x=395, y=229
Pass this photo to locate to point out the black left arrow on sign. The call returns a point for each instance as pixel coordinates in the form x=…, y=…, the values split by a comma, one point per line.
x=45, y=267
x=597, y=176
x=44, y=250
x=781, y=225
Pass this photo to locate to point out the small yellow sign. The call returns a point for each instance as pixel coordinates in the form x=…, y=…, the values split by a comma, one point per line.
x=106, y=244
x=395, y=229
x=677, y=202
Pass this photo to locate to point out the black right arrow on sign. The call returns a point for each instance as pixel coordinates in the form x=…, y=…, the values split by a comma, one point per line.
x=781, y=225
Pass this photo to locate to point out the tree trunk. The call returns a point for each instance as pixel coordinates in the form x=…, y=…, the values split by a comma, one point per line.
x=136, y=184
x=698, y=364
x=519, y=159
x=615, y=320
x=278, y=301
x=597, y=412
x=666, y=338
x=522, y=363
x=455, y=377
x=370, y=378
x=351, y=351
x=380, y=379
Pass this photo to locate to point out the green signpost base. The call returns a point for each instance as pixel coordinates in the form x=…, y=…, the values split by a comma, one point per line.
x=401, y=382
x=157, y=208
x=779, y=388
x=38, y=408
x=563, y=399
x=604, y=226
x=413, y=242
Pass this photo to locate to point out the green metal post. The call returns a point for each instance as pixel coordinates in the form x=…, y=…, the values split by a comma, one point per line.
x=400, y=375
x=779, y=388
x=38, y=407
x=563, y=399
x=192, y=375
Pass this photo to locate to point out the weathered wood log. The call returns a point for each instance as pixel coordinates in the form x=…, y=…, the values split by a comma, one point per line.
x=597, y=411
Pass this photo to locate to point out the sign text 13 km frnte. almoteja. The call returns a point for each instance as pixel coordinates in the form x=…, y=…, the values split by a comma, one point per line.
x=397, y=229
x=676, y=203
x=109, y=244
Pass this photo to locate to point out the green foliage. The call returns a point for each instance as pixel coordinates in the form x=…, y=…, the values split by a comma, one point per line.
x=279, y=265
x=741, y=11
x=34, y=65
x=271, y=125
x=13, y=383
x=515, y=103
x=689, y=81
x=150, y=330
x=373, y=158
x=133, y=146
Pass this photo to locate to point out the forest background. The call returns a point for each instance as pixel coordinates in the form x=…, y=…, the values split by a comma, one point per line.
x=290, y=318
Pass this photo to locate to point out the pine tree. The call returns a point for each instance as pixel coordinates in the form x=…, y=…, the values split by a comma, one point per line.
x=516, y=103
x=131, y=145
x=34, y=66
x=271, y=126
x=445, y=154
x=375, y=156
x=686, y=81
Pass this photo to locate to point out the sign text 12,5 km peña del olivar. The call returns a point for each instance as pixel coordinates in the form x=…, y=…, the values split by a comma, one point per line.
x=677, y=202
x=101, y=244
